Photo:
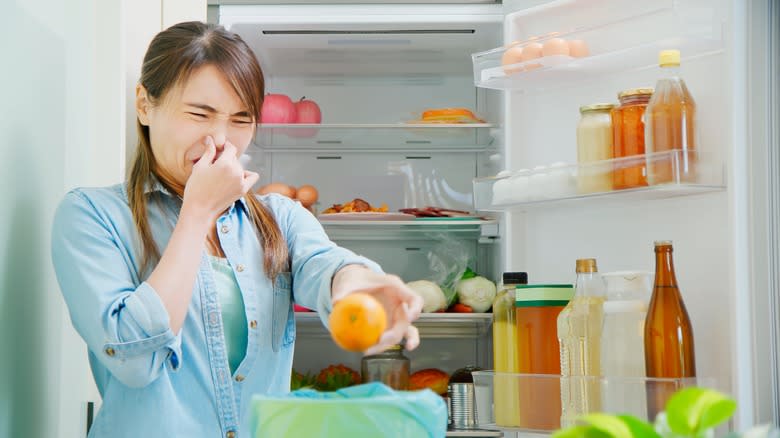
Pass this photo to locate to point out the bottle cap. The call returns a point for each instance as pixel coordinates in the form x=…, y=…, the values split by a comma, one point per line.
x=645, y=91
x=515, y=278
x=596, y=107
x=665, y=245
x=586, y=265
x=669, y=58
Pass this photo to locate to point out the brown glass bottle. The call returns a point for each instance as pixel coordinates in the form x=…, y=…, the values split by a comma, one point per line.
x=669, y=351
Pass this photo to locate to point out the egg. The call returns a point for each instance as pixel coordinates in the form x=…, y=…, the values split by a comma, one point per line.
x=308, y=195
x=531, y=51
x=278, y=187
x=513, y=55
x=555, y=46
x=578, y=48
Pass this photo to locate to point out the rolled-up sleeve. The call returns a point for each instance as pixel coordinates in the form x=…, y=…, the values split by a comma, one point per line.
x=122, y=320
x=315, y=259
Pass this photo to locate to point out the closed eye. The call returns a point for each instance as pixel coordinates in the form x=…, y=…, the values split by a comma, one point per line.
x=243, y=121
x=198, y=115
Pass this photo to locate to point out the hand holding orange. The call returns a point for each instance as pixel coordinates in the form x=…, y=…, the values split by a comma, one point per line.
x=357, y=322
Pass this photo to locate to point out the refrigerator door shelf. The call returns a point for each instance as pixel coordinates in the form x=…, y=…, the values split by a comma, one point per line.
x=612, y=36
x=430, y=325
x=670, y=174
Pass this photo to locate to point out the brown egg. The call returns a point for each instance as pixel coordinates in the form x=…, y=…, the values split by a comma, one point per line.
x=531, y=51
x=555, y=46
x=511, y=56
x=278, y=187
x=308, y=195
x=578, y=48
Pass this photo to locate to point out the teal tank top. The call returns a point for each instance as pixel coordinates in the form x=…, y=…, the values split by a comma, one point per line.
x=233, y=313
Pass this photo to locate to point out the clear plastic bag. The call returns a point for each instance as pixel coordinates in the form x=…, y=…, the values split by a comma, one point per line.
x=368, y=410
x=448, y=260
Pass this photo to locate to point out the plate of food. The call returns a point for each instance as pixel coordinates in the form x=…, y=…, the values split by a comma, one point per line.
x=360, y=210
x=366, y=216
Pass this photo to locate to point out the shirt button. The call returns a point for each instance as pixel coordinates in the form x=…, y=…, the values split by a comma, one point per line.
x=224, y=229
x=230, y=434
x=239, y=378
x=253, y=324
x=110, y=352
x=240, y=268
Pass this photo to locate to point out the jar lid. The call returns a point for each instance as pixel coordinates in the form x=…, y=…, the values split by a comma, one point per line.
x=646, y=91
x=596, y=107
x=515, y=278
x=542, y=295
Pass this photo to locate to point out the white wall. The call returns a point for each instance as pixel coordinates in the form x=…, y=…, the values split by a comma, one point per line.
x=62, y=125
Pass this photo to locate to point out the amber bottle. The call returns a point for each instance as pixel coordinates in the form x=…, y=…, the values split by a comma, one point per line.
x=669, y=351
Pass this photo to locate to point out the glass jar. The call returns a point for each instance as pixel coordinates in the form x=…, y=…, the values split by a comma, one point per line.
x=628, y=138
x=390, y=367
x=594, y=144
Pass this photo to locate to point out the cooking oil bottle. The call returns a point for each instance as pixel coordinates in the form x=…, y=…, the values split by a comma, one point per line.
x=579, y=334
x=505, y=360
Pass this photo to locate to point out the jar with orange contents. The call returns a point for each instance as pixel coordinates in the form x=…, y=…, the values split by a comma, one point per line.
x=628, y=138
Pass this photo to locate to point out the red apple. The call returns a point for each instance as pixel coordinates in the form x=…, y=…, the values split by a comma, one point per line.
x=278, y=108
x=308, y=111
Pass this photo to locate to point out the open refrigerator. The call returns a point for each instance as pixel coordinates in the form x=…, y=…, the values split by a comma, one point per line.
x=374, y=67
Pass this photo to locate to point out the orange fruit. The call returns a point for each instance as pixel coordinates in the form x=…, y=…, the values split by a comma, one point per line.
x=357, y=321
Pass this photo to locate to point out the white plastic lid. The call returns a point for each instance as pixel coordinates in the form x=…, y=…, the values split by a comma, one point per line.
x=628, y=284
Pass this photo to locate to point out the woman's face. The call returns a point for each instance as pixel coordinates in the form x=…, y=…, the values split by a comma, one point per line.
x=204, y=105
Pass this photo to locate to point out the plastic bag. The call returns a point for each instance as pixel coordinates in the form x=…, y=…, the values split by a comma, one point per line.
x=368, y=410
x=448, y=261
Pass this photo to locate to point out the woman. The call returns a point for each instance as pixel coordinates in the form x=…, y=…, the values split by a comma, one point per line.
x=180, y=280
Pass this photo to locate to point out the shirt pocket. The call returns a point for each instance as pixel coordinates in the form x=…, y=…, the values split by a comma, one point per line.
x=283, y=329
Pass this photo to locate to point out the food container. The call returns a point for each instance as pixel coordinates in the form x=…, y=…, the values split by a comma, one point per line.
x=628, y=137
x=462, y=403
x=594, y=144
x=390, y=367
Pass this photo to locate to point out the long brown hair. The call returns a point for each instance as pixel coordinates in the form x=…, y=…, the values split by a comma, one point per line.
x=171, y=58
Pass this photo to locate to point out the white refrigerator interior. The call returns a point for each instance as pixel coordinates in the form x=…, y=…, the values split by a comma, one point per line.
x=372, y=68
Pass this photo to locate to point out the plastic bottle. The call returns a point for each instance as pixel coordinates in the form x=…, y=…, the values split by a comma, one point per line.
x=579, y=333
x=622, y=343
x=670, y=124
x=669, y=351
x=505, y=350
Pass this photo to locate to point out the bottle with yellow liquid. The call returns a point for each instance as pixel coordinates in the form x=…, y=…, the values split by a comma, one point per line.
x=579, y=334
x=505, y=360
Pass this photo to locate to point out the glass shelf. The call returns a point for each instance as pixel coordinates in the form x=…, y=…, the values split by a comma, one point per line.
x=665, y=175
x=398, y=136
x=619, y=36
x=430, y=325
x=411, y=229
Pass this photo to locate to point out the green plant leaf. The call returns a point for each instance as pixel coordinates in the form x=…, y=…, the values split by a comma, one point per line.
x=693, y=410
x=580, y=432
x=639, y=428
x=609, y=424
x=468, y=274
x=716, y=413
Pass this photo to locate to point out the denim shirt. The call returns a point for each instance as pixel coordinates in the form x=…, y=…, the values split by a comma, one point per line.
x=155, y=383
